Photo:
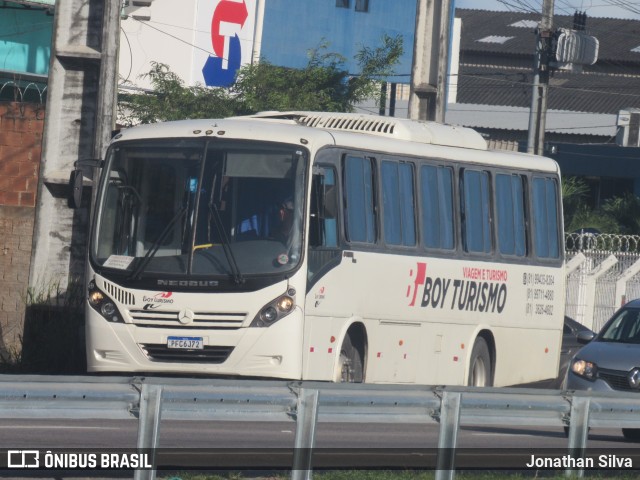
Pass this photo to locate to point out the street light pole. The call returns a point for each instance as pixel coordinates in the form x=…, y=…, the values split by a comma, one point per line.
x=538, y=112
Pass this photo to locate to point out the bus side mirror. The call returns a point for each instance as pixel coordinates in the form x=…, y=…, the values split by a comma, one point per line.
x=75, y=188
x=76, y=180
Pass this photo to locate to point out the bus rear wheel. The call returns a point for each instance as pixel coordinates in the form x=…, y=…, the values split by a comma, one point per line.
x=350, y=362
x=480, y=365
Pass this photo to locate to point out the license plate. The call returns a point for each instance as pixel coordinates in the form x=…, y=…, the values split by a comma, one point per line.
x=186, y=343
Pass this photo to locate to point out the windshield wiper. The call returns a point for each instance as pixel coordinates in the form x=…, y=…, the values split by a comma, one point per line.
x=238, y=278
x=135, y=275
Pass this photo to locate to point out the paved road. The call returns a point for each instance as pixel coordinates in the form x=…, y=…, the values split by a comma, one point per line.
x=44, y=433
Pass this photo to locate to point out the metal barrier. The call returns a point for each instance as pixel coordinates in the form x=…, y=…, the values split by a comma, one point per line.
x=307, y=403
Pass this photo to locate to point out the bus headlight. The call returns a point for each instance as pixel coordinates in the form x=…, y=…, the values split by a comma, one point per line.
x=275, y=310
x=102, y=304
x=584, y=369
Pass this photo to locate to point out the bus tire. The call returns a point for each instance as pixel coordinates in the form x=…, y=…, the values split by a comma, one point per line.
x=350, y=362
x=480, y=365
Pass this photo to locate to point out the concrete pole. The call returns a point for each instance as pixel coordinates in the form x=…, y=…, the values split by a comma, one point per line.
x=427, y=94
x=78, y=123
x=538, y=112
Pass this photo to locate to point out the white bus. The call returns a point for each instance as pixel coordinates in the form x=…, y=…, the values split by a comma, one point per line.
x=317, y=246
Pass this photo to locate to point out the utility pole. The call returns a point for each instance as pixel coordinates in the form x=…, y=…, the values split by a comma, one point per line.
x=79, y=121
x=427, y=95
x=538, y=113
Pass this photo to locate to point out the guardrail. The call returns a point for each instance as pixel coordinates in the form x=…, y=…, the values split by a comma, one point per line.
x=153, y=399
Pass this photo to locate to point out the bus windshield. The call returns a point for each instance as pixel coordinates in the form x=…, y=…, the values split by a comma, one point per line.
x=196, y=208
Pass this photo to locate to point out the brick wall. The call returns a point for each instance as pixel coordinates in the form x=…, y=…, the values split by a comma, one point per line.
x=21, y=127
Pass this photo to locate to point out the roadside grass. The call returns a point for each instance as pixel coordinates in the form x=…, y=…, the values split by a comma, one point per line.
x=403, y=475
x=52, y=341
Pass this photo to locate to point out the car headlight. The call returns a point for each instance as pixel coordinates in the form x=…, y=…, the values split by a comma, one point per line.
x=102, y=304
x=584, y=369
x=275, y=310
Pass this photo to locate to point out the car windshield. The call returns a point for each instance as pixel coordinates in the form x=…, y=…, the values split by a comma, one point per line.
x=200, y=209
x=624, y=327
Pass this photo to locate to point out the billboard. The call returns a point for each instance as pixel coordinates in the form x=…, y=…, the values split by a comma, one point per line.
x=224, y=40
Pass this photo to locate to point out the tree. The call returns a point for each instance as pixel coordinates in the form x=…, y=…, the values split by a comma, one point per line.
x=172, y=100
x=618, y=215
x=625, y=210
x=323, y=85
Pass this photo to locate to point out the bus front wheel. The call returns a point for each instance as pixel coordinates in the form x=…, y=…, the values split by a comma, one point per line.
x=350, y=363
x=480, y=365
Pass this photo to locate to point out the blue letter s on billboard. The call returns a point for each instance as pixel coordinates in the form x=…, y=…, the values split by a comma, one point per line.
x=220, y=70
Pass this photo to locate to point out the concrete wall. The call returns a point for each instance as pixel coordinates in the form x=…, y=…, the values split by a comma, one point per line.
x=20, y=146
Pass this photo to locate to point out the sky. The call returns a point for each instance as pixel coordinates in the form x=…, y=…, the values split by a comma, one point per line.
x=629, y=9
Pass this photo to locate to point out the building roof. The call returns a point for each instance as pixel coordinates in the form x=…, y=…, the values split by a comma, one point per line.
x=34, y=3
x=496, y=63
x=517, y=118
x=513, y=33
x=585, y=92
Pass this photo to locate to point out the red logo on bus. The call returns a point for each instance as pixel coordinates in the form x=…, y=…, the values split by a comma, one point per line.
x=420, y=275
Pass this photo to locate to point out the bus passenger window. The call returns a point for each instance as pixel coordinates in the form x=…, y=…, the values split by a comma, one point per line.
x=436, y=195
x=360, y=214
x=476, y=219
x=397, y=199
x=510, y=215
x=545, y=217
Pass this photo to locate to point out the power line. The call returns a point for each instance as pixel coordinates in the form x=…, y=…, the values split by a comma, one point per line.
x=174, y=37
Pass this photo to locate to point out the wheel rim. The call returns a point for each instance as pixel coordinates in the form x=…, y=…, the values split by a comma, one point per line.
x=345, y=368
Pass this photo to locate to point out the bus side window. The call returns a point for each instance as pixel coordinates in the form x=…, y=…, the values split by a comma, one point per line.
x=323, y=224
x=510, y=213
x=476, y=220
x=324, y=202
x=545, y=217
x=360, y=210
x=398, y=202
x=436, y=190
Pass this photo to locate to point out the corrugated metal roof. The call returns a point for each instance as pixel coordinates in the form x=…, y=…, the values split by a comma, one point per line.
x=34, y=3
x=584, y=92
x=517, y=118
x=617, y=37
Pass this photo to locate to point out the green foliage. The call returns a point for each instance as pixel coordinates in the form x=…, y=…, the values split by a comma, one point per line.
x=323, y=85
x=585, y=217
x=172, y=100
x=625, y=210
x=574, y=191
x=319, y=86
x=617, y=215
x=402, y=475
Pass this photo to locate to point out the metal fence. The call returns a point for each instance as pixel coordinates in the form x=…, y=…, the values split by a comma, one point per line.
x=603, y=272
x=306, y=404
